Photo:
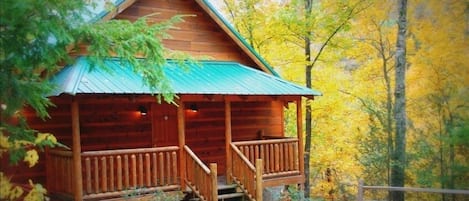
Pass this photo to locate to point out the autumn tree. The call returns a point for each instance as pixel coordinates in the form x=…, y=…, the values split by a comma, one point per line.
x=36, y=38
x=440, y=74
x=300, y=31
x=436, y=93
x=399, y=153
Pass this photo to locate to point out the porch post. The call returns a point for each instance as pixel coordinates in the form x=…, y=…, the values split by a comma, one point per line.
x=299, y=130
x=76, y=150
x=228, y=141
x=182, y=142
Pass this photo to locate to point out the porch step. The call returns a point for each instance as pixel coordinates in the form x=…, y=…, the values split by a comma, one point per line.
x=231, y=197
x=226, y=188
x=229, y=193
x=226, y=192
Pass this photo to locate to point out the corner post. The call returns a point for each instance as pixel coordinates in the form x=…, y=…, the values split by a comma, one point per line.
x=213, y=176
x=360, y=190
x=228, y=141
x=76, y=150
x=299, y=130
x=182, y=142
x=259, y=187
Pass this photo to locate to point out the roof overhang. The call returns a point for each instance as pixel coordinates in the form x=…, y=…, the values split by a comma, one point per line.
x=204, y=78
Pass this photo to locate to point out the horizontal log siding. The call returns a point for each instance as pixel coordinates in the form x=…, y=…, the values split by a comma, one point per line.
x=114, y=125
x=205, y=132
x=198, y=35
x=249, y=118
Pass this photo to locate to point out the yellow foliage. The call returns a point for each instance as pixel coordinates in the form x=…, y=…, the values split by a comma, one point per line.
x=31, y=157
x=4, y=144
x=45, y=136
x=37, y=192
x=7, y=190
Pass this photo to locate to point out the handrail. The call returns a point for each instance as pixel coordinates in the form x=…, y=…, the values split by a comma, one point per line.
x=241, y=155
x=196, y=159
x=246, y=175
x=128, y=151
x=201, y=179
x=58, y=152
x=269, y=141
x=362, y=188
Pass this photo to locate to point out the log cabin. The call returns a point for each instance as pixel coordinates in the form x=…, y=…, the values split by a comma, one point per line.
x=228, y=121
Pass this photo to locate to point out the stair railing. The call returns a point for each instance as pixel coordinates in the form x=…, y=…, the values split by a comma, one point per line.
x=246, y=175
x=201, y=179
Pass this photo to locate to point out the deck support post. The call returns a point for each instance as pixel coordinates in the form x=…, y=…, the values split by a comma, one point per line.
x=259, y=173
x=76, y=151
x=182, y=142
x=228, y=141
x=299, y=130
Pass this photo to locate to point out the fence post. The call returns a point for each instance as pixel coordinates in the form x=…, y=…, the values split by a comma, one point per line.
x=213, y=176
x=360, y=190
x=259, y=188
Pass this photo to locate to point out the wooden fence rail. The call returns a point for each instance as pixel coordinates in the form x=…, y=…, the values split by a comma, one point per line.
x=362, y=188
x=280, y=156
x=201, y=179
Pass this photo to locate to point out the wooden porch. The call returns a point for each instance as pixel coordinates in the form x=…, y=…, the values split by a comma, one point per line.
x=102, y=174
x=116, y=173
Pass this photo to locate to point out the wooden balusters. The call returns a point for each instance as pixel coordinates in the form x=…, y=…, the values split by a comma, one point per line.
x=127, y=169
x=60, y=163
x=280, y=156
x=199, y=177
x=243, y=171
x=119, y=173
x=147, y=170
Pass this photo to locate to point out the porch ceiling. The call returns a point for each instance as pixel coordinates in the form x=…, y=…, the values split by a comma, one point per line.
x=209, y=77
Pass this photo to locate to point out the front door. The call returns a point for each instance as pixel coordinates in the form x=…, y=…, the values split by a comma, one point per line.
x=164, y=117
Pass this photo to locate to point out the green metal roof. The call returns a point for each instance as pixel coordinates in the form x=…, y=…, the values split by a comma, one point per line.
x=207, y=77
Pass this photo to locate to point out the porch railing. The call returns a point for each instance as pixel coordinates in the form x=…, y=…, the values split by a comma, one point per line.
x=115, y=172
x=246, y=175
x=201, y=179
x=60, y=165
x=280, y=156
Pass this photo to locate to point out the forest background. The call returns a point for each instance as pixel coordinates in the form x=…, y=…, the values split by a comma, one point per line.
x=353, y=46
x=352, y=63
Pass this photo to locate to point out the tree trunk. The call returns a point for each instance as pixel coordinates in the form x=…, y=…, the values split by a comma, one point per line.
x=308, y=118
x=399, y=156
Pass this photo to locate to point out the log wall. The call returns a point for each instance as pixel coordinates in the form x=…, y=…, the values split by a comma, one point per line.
x=198, y=35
